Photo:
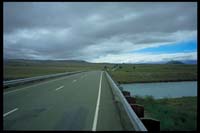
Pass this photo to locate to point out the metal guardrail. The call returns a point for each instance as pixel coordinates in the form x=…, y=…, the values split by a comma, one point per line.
x=135, y=122
x=25, y=80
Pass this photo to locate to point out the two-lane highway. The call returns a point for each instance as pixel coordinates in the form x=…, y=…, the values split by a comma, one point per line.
x=81, y=101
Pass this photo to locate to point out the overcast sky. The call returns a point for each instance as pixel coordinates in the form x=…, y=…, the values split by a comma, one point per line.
x=100, y=32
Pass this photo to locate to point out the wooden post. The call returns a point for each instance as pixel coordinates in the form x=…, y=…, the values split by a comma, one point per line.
x=131, y=100
x=138, y=109
x=126, y=93
x=152, y=125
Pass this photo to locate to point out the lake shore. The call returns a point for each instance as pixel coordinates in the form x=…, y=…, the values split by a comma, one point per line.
x=162, y=89
x=157, y=81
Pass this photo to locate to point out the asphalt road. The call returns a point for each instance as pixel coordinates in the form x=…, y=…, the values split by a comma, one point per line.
x=81, y=101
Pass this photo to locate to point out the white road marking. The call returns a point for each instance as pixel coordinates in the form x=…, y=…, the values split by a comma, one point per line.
x=17, y=90
x=83, y=76
x=10, y=112
x=38, y=84
x=97, y=106
x=74, y=81
x=59, y=88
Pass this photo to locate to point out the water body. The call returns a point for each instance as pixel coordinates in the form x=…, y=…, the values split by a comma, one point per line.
x=163, y=89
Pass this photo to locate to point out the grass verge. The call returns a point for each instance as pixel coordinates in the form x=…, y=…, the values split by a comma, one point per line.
x=154, y=73
x=174, y=113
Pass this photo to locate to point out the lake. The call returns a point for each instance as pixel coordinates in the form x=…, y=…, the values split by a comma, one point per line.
x=163, y=89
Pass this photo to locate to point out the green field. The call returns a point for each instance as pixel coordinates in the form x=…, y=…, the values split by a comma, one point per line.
x=154, y=73
x=24, y=69
x=123, y=73
x=174, y=114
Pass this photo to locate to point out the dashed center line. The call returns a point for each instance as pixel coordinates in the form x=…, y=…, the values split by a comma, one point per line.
x=74, y=81
x=83, y=76
x=10, y=112
x=36, y=85
x=59, y=88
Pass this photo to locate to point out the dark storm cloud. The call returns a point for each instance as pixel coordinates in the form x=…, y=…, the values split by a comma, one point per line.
x=85, y=30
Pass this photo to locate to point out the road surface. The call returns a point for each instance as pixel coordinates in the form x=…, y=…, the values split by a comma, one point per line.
x=81, y=101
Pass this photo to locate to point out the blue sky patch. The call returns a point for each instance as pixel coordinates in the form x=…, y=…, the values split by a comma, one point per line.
x=187, y=46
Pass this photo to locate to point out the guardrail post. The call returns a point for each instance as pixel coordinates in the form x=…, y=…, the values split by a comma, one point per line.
x=131, y=100
x=139, y=110
x=126, y=93
x=152, y=125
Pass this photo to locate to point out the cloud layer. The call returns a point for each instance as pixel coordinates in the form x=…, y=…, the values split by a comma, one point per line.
x=98, y=32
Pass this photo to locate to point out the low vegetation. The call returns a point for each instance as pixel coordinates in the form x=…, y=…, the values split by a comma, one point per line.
x=122, y=73
x=15, y=69
x=154, y=73
x=174, y=113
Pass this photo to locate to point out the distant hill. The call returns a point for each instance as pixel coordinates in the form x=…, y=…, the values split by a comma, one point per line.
x=174, y=62
x=23, y=62
x=68, y=61
x=190, y=61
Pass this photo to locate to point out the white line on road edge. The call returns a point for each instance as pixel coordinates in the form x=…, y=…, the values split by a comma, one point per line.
x=17, y=90
x=97, y=107
x=83, y=76
x=51, y=80
x=10, y=112
x=59, y=88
